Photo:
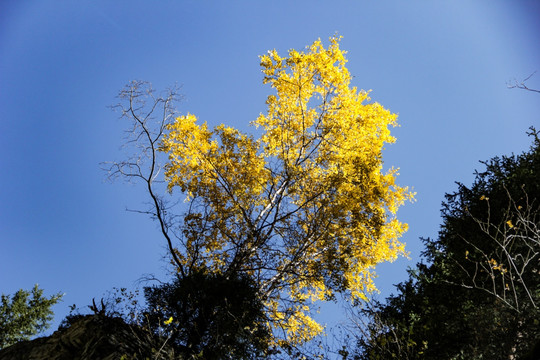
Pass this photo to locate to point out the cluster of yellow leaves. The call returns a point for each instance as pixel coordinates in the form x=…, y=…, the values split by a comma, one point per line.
x=223, y=168
x=306, y=209
x=496, y=266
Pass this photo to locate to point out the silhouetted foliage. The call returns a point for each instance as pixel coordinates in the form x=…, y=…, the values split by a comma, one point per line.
x=477, y=297
x=210, y=316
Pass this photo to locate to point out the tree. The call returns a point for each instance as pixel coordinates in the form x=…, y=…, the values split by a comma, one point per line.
x=210, y=316
x=306, y=210
x=25, y=314
x=479, y=295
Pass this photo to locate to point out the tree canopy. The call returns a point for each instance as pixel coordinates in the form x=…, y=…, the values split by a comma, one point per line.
x=25, y=314
x=478, y=295
x=209, y=316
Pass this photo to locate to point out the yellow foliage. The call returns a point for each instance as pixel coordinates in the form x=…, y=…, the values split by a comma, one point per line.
x=306, y=209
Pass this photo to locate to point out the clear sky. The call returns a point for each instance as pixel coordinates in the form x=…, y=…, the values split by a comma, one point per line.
x=443, y=66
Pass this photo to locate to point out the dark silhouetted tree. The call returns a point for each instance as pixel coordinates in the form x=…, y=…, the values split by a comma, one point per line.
x=477, y=296
x=210, y=316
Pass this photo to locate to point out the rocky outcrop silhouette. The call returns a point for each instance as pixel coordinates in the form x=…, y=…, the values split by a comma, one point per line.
x=95, y=337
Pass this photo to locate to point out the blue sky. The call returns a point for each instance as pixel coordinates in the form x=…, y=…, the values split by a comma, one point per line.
x=442, y=66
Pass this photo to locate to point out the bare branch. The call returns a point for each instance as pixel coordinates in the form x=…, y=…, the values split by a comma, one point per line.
x=505, y=272
x=149, y=116
x=521, y=85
